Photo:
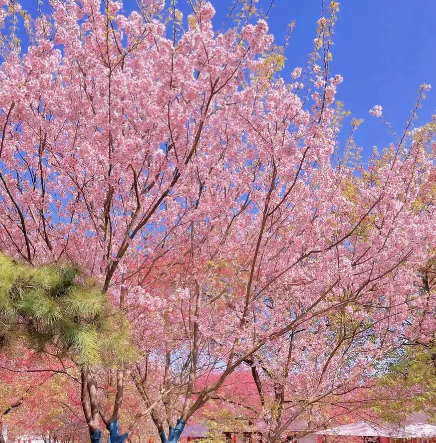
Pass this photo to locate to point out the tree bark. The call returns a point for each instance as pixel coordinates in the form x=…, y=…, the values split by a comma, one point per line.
x=90, y=405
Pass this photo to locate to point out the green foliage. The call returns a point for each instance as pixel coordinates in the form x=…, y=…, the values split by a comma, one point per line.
x=412, y=384
x=220, y=419
x=56, y=305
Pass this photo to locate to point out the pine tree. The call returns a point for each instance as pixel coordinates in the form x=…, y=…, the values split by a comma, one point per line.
x=56, y=305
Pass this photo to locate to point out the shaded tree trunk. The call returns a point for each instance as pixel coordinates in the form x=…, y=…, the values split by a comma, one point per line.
x=93, y=411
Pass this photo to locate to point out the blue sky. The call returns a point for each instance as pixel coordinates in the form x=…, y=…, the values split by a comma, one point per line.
x=384, y=49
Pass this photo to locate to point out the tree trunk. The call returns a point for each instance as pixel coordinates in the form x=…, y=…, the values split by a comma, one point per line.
x=174, y=433
x=93, y=412
x=90, y=405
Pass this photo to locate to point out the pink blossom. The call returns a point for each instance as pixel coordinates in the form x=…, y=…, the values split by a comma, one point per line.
x=206, y=11
x=337, y=80
x=262, y=27
x=376, y=110
x=296, y=73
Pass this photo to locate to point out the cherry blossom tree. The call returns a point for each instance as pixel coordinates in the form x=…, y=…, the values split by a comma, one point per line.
x=303, y=354
x=204, y=194
x=56, y=202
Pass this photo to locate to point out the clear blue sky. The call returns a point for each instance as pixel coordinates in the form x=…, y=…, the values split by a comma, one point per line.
x=384, y=49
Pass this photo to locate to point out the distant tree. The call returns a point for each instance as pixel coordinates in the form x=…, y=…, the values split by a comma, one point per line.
x=408, y=385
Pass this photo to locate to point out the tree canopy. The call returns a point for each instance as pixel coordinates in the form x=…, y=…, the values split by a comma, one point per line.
x=208, y=201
